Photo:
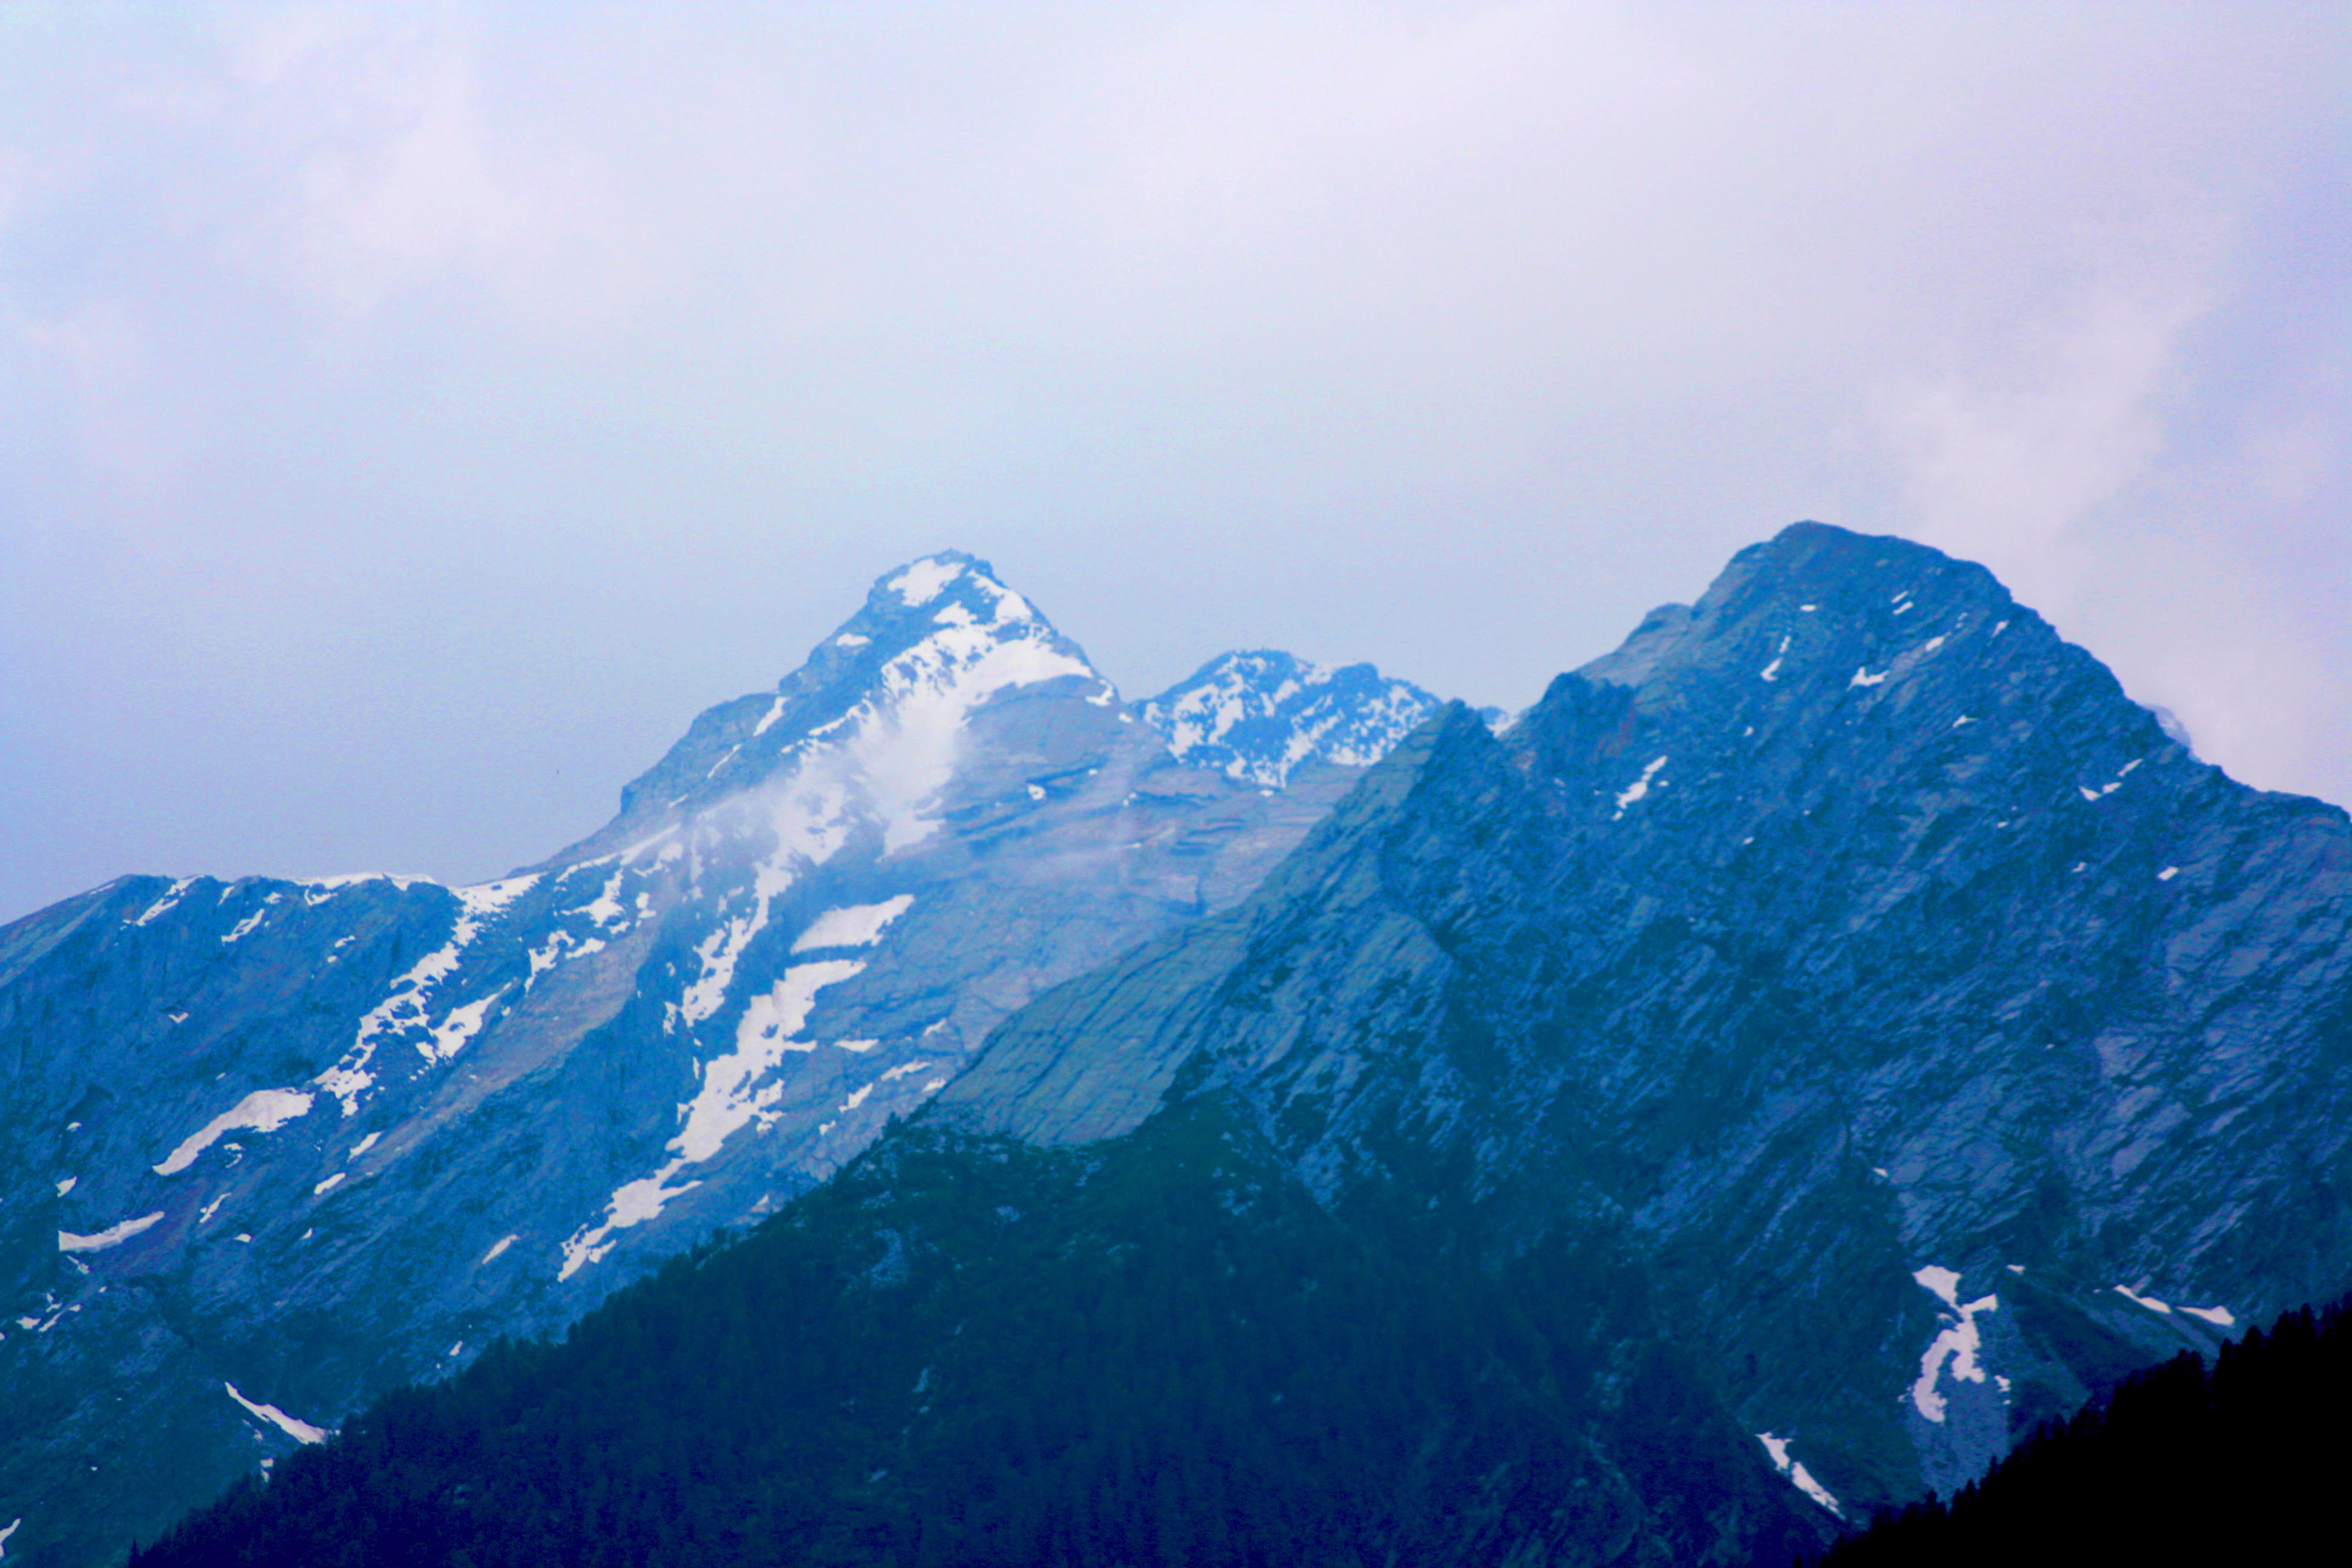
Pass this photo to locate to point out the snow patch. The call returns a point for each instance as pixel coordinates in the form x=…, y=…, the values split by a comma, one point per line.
x=499, y=1247
x=1957, y=1343
x=2150, y=1302
x=1861, y=677
x=461, y=1026
x=727, y=1101
x=606, y=908
x=856, y=925
x=299, y=1430
x=1639, y=787
x=263, y=1110
x=329, y=1185
x=67, y=1185
x=851, y=639
x=112, y=1235
x=2168, y=873
x=920, y=583
x=162, y=906
x=771, y=1026
x=2220, y=1317
x=1778, y=1447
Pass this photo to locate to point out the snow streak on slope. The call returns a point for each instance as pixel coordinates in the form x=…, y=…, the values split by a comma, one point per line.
x=1257, y=715
x=1799, y=1477
x=112, y=1235
x=293, y=1426
x=263, y=1110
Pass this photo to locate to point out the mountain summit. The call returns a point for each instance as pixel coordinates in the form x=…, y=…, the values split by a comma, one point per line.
x=881, y=702
x=1258, y=715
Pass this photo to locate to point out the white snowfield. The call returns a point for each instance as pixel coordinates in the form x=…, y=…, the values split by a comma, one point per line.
x=112, y=1235
x=1957, y=1343
x=1803, y=1478
x=263, y=1110
x=162, y=906
x=299, y=1430
x=1639, y=787
x=858, y=925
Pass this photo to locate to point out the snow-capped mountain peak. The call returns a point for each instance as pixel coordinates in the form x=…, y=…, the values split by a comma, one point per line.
x=888, y=692
x=1259, y=714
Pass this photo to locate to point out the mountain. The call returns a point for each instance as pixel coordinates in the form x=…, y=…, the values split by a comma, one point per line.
x=1257, y=716
x=1813, y=1045
x=2234, y=1462
x=1946, y=1038
x=273, y=1147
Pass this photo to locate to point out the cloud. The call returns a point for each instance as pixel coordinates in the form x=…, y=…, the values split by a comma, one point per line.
x=2018, y=459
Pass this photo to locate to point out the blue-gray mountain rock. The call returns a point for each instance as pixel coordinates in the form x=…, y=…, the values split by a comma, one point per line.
x=271, y=1147
x=1945, y=1039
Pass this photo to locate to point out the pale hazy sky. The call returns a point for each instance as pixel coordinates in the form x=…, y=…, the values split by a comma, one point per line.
x=411, y=416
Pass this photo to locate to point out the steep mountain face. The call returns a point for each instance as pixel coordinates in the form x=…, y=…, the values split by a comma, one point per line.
x=1815, y=1042
x=1943, y=1037
x=271, y=1147
x=1258, y=716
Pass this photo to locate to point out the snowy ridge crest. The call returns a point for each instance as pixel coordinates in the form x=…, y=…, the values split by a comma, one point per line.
x=1258, y=714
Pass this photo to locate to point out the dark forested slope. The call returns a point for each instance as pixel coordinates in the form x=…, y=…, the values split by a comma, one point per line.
x=1158, y=1351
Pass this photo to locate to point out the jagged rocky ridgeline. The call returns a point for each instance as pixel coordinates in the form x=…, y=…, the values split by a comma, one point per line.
x=1812, y=1043
x=271, y=1147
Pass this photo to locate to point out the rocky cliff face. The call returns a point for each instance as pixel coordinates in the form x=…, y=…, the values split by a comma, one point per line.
x=1940, y=1033
x=270, y=1147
